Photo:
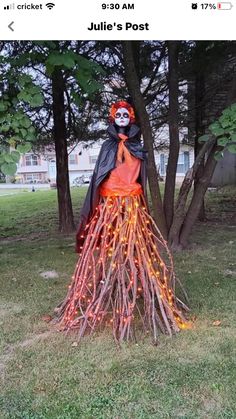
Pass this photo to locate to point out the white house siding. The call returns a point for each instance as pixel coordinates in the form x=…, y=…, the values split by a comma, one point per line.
x=81, y=163
x=161, y=159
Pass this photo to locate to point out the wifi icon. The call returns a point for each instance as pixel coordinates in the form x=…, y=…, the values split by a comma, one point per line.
x=50, y=5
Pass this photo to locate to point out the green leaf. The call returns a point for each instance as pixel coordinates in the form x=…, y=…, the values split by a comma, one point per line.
x=88, y=85
x=24, y=79
x=19, y=115
x=36, y=100
x=24, y=95
x=94, y=86
x=31, y=129
x=30, y=137
x=24, y=148
x=233, y=107
x=14, y=101
x=225, y=121
x=54, y=59
x=4, y=128
x=23, y=132
x=222, y=141
x=3, y=106
x=77, y=99
x=68, y=61
x=57, y=59
x=34, y=89
x=203, y=138
x=231, y=148
x=89, y=65
x=15, y=156
x=15, y=124
x=218, y=155
x=49, y=68
x=8, y=158
x=82, y=79
x=216, y=129
x=8, y=168
x=26, y=122
x=85, y=64
x=233, y=137
x=12, y=141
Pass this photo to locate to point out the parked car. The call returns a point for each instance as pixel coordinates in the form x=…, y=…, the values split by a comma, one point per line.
x=81, y=180
x=87, y=178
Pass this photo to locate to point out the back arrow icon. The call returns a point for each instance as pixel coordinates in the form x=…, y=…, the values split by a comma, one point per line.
x=10, y=26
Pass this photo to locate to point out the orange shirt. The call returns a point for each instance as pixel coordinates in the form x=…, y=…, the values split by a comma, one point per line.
x=122, y=181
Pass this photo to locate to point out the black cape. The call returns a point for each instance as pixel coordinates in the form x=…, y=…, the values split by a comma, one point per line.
x=106, y=161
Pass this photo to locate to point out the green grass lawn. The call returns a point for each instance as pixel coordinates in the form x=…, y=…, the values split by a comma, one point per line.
x=33, y=213
x=12, y=191
x=43, y=376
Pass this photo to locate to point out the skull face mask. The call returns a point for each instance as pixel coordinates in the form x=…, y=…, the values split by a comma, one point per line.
x=122, y=117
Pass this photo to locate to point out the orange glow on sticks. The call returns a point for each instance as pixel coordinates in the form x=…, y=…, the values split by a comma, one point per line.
x=122, y=276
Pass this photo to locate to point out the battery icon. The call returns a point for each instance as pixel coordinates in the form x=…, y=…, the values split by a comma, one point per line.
x=224, y=5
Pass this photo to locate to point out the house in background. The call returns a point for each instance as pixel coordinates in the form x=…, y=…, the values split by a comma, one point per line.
x=41, y=168
x=32, y=168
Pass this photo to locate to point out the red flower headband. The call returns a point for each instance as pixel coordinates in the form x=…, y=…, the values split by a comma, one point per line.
x=121, y=104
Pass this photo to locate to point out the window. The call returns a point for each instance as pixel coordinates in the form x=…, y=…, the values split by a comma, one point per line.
x=31, y=160
x=163, y=163
x=72, y=159
x=182, y=166
x=183, y=162
x=31, y=177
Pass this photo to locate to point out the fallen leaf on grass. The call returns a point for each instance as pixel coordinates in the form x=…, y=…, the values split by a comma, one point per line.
x=216, y=323
x=49, y=274
x=39, y=389
x=75, y=344
x=46, y=318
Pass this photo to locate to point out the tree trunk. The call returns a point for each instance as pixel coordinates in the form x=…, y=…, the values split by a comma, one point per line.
x=138, y=100
x=199, y=129
x=66, y=220
x=203, y=182
x=179, y=214
x=198, y=196
x=173, y=82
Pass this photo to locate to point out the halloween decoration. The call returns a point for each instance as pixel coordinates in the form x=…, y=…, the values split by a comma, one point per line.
x=124, y=277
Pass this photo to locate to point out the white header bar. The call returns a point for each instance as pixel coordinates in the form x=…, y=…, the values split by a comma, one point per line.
x=118, y=20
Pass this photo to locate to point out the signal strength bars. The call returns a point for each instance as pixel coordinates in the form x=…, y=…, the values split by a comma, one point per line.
x=9, y=7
